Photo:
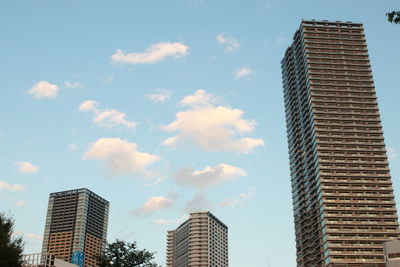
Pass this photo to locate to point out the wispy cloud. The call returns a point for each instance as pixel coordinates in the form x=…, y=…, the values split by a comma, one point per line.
x=154, y=53
x=160, y=95
x=243, y=72
x=44, y=89
x=106, y=117
x=27, y=167
x=208, y=176
x=20, y=203
x=249, y=193
x=74, y=85
x=120, y=156
x=12, y=187
x=72, y=146
x=212, y=128
x=281, y=40
x=228, y=42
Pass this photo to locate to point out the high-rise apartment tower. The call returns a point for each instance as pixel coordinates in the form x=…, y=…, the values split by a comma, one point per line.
x=201, y=241
x=342, y=192
x=76, y=226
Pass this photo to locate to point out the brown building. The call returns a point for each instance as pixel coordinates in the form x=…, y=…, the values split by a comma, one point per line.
x=76, y=226
x=201, y=241
x=343, y=201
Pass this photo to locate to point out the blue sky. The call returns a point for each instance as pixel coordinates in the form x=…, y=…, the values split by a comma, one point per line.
x=165, y=107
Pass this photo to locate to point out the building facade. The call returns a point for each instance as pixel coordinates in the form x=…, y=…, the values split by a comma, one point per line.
x=343, y=201
x=76, y=226
x=201, y=241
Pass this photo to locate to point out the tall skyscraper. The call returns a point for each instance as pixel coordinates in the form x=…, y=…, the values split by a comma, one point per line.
x=76, y=226
x=342, y=192
x=201, y=241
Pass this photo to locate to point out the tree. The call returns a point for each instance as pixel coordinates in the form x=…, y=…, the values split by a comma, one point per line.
x=393, y=16
x=125, y=254
x=10, y=247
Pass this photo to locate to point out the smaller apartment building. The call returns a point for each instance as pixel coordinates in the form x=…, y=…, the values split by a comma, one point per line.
x=201, y=241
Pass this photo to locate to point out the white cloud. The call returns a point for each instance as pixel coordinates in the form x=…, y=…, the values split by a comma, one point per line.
x=153, y=205
x=160, y=95
x=154, y=53
x=391, y=153
x=44, y=89
x=213, y=128
x=20, y=203
x=72, y=147
x=249, y=193
x=173, y=221
x=243, y=72
x=200, y=98
x=70, y=84
x=198, y=203
x=27, y=167
x=106, y=117
x=119, y=156
x=208, y=176
x=229, y=42
x=11, y=187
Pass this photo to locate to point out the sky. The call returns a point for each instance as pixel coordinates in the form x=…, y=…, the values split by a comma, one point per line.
x=164, y=108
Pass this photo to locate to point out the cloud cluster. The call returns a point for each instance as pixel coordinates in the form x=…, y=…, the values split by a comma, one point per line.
x=27, y=167
x=154, y=53
x=11, y=187
x=228, y=42
x=106, y=117
x=160, y=95
x=119, y=156
x=44, y=89
x=155, y=204
x=212, y=128
x=243, y=72
x=208, y=176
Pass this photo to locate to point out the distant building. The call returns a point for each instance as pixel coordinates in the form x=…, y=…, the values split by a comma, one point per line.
x=44, y=260
x=343, y=202
x=201, y=241
x=76, y=226
x=392, y=253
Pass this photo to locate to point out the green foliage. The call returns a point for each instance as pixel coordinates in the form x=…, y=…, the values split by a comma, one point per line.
x=10, y=248
x=124, y=254
x=393, y=16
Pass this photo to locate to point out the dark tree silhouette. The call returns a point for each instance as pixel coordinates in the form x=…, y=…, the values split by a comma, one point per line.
x=10, y=247
x=124, y=254
x=393, y=16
